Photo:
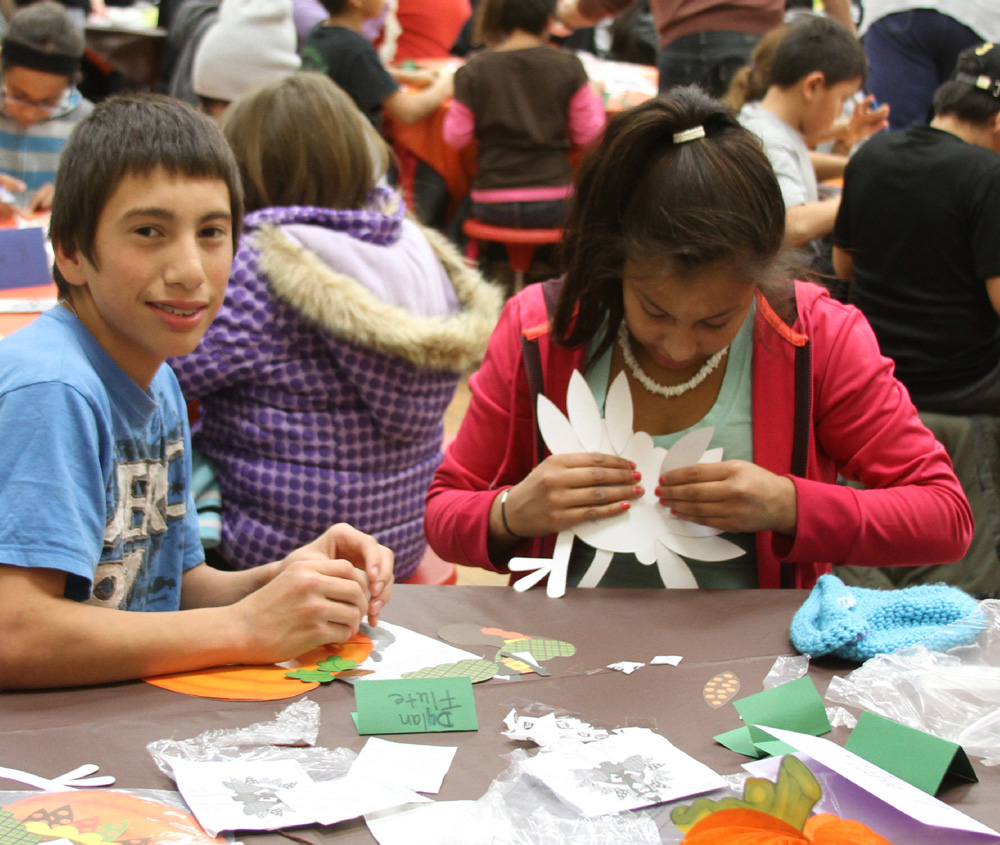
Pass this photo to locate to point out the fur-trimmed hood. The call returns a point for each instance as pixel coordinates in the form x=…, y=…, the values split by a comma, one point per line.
x=342, y=305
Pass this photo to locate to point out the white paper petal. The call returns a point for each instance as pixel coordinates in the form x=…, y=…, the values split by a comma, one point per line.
x=584, y=415
x=539, y=567
x=691, y=529
x=597, y=569
x=711, y=456
x=556, y=431
x=556, y=587
x=702, y=548
x=674, y=572
x=687, y=450
x=618, y=413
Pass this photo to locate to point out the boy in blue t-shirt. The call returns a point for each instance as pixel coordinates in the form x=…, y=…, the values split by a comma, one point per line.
x=95, y=502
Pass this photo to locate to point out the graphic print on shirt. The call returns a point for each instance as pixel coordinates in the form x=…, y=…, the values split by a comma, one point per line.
x=149, y=494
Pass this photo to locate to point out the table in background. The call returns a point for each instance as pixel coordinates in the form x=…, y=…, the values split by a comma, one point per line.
x=739, y=631
x=626, y=85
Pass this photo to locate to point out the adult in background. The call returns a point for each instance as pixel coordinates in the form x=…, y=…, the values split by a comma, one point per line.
x=912, y=48
x=702, y=42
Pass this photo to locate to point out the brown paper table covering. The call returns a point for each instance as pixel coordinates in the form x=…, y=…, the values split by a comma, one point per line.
x=739, y=631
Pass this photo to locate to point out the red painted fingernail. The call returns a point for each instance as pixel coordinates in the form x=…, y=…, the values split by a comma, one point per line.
x=625, y=506
x=633, y=464
x=637, y=476
x=638, y=490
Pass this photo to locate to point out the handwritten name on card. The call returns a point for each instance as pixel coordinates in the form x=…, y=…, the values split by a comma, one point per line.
x=419, y=705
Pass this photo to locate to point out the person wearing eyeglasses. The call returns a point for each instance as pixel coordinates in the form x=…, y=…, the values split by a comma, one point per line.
x=39, y=103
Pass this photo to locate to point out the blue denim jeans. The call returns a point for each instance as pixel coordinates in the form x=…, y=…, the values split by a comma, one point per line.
x=909, y=55
x=536, y=214
x=709, y=59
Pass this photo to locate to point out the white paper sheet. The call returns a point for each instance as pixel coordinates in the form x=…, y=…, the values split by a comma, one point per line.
x=398, y=650
x=427, y=824
x=632, y=768
x=666, y=660
x=332, y=801
x=418, y=767
x=240, y=795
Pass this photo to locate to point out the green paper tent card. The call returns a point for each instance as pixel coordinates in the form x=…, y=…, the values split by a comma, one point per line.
x=417, y=705
x=919, y=758
x=795, y=706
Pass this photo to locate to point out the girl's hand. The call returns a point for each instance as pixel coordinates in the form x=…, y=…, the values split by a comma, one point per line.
x=563, y=491
x=731, y=496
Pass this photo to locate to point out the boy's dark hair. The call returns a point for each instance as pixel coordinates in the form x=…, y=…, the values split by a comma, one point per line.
x=817, y=43
x=44, y=30
x=496, y=19
x=973, y=93
x=133, y=135
x=642, y=195
x=334, y=7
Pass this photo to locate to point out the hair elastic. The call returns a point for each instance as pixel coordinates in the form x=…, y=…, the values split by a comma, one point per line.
x=24, y=55
x=692, y=134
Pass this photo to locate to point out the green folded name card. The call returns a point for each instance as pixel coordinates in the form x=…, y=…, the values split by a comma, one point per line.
x=919, y=758
x=417, y=705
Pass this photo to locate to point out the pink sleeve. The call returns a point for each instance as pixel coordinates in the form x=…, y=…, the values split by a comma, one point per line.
x=485, y=457
x=912, y=510
x=459, y=125
x=586, y=116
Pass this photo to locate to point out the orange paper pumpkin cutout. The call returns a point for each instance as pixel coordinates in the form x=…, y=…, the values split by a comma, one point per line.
x=260, y=683
x=95, y=817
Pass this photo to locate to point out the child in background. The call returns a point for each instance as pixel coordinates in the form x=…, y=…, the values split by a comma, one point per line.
x=251, y=43
x=675, y=278
x=40, y=105
x=818, y=66
x=325, y=377
x=338, y=48
x=98, y=520
x=525, y=104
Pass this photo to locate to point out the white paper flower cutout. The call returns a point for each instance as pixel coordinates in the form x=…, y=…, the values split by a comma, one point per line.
x=647, y=529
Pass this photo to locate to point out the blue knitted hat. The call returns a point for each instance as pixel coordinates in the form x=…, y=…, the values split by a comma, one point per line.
x=857, y=623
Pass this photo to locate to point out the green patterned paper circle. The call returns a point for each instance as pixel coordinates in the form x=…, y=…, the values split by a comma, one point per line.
x=475, y=669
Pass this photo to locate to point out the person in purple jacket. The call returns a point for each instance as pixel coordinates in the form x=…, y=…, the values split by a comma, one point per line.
x=324, y=379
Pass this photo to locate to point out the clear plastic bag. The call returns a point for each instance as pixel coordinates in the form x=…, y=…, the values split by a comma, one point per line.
x=288, y=737
x=954, y=695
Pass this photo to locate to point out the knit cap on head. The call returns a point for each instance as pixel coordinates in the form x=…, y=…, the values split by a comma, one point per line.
x=251, y=44
x=858, y=623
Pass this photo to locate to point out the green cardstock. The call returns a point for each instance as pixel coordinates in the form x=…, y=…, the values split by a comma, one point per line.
x=417, y=705
x=795, y=706
x=914, y=756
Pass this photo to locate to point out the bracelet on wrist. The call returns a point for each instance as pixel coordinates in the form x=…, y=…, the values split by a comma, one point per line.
x=503, y=516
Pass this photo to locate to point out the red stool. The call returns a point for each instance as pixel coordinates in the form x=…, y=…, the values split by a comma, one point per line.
x=433, y=570
x=520, y=244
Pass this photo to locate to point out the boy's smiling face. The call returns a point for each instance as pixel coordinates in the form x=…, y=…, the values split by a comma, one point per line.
x=163, y=250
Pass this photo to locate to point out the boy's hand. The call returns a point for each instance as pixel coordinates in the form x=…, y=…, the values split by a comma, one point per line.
x=866, y=121
x=313, y=601
x=363, y=551
x=42, y=200
x=7, y=206
x=731, y=496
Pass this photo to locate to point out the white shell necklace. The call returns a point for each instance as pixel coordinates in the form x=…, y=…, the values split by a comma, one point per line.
x=664, y=390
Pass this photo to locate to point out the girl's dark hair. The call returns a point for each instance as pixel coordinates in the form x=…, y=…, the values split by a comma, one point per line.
x=496, y=19
x=814, y=43
x=643, y=196
x=962, y=99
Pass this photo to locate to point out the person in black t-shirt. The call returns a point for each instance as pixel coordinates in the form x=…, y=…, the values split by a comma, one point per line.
x=918, y=232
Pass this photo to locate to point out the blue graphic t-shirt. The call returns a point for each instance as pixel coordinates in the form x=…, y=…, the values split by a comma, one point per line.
x=93, y=470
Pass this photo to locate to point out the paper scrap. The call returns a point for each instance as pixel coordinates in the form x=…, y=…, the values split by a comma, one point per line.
x=632, y=768
x=427, y=824
x=666, y=660
x=332, y=801
x=625, y=666
x=549, y=730
x=418, y=767
x=398, y=650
